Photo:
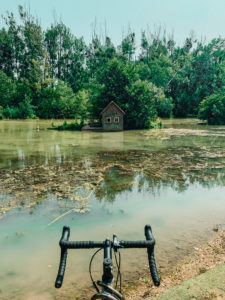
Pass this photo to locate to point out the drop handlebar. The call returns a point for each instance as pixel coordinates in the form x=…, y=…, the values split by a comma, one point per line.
x=65, y=244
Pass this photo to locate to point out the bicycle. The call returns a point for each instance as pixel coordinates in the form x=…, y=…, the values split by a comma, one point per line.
x=107, y=292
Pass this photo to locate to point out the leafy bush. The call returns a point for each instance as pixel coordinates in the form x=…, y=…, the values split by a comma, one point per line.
x=23, y=111
x=57, y=100
x=212, y=109
x=164, y=107
x=156, y=124
x=26, y=108
x=70, y=126
x=11, y=112
x=22, y=91
x=1, y=112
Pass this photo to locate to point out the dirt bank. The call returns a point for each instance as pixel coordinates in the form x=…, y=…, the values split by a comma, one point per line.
x=203, y=258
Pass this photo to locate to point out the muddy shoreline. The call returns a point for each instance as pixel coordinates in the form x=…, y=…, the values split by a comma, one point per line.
x=203, y=258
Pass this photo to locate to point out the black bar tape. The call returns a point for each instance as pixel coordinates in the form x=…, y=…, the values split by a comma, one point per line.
x=137, y=244
x=65, y=233
x=151, y=258
x=66, y=244
x=62, y=267
x=81, y=245
x=63, y=257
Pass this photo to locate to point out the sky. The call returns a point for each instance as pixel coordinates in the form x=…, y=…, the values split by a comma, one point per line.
x=205, y=17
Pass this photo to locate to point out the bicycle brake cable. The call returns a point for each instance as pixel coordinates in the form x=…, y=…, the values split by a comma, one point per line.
x=119, y=275
x=90, y=265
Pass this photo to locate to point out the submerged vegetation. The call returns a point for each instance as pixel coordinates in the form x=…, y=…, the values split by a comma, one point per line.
x=108, y=173
x=53, y=74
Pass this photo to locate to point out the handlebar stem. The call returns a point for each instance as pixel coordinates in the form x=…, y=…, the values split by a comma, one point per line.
x=107, y=276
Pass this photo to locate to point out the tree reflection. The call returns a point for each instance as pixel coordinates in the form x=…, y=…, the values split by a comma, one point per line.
x=115, y=182
x=107, y=174
x=177, y=168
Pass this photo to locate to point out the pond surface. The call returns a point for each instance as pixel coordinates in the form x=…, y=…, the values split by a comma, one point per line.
x=100, y=184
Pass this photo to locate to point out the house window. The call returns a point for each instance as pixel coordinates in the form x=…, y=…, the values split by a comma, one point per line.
x=108, y=120
x=116, y=119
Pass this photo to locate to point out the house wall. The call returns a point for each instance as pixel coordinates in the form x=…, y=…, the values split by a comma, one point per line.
x=112, y=112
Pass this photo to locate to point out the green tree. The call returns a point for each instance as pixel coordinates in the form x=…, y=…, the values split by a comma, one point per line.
x=7, y=90
x=66, y=56
x=82, y=105
x=11, y=47
x=127, y=46
x=179, y=86
x=112, y=85
x=198, y=74
x=6, y=52
x=55, y=74
x=98, y=55
x=141, y=107
x=25, y=108
x=33, y=42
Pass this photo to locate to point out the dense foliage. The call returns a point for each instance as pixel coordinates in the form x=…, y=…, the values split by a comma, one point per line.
x=53, y=74
x=213, y=109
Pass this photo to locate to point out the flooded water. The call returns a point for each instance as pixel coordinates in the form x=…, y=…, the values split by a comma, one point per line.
x=100, y=184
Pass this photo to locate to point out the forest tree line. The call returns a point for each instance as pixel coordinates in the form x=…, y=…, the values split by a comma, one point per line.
x=53, y=74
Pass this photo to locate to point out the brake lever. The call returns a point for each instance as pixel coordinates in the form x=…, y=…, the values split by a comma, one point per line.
x=116, y=243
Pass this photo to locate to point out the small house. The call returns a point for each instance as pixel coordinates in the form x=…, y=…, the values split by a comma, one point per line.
x=112, y=117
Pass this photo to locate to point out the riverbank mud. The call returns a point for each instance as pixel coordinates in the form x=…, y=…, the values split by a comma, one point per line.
x=203, y=258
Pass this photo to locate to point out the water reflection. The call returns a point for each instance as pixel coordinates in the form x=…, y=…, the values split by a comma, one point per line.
x=114, y=183
x=109, y=173
x=109, y=183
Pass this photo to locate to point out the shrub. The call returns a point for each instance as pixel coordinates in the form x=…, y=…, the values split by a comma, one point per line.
x=70, y=126
x=1, y=112
x=164, y=106
x=212, y=109
x=26, y=108
x=157, y=124
x=57, y=100
x=23, y=111
x=11, y=112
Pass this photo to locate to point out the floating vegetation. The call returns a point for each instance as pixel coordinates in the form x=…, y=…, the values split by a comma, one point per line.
x=108, y=174
x=178, y=132
x=82, y=208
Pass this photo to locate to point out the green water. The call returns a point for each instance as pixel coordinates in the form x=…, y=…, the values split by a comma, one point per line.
x=172, y=179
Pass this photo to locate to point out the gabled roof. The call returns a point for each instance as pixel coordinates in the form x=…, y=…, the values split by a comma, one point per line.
x=112, y=103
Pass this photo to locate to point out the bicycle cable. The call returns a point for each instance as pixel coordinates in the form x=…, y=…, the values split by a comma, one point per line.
x=119, y=275
x=90, y=264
